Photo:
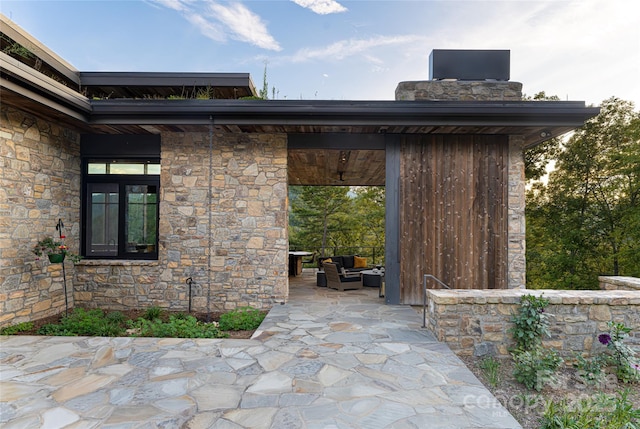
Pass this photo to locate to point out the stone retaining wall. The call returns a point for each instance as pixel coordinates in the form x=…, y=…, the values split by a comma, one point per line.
x=39, y=184
x=477, y=321
x=619, y=283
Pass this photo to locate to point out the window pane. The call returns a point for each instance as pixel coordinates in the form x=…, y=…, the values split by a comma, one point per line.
x=153, y=169
x=141, y=213
x=103, y=218
x=97, y=168
x=126, y=168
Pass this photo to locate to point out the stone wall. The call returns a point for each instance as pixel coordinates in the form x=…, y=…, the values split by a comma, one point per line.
x=619, y=283
x=240, y=261
x=474, y=321
x=39, y=184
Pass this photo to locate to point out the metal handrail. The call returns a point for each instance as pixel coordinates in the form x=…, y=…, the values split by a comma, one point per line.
x=424, y=297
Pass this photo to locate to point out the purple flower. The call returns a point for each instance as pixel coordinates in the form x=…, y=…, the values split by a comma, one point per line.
x=604, y=339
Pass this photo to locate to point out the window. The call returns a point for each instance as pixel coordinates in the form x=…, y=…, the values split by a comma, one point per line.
x=120, y=210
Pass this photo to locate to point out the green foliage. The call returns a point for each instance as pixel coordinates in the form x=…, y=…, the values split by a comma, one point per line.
x=601, y=412
x=152, y=313
x=176, y=327
x=621, y=356
x=84, y=323
x=241, y=319
x=537, y=158
x=490, y=367
x=16, y=329
x=586, y=220
x=590, y=369
x=536, y=367
x=325, y=219
x=530, y=323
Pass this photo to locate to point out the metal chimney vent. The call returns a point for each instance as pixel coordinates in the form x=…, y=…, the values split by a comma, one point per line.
x=464, y=64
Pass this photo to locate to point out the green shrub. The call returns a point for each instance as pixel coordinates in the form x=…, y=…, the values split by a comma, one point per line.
x=84, y=323
x=241, y=319
x=601, y=412
x=176, y=327
x=16, y=329
x=490, y=368
x=535, y=368
x=531, y=323
x=621, y=356
x=152, y=313
x=590, y=369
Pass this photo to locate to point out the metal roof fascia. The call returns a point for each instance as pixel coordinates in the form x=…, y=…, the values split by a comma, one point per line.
x=18, y=34
x=35, y=79
x=342, y=113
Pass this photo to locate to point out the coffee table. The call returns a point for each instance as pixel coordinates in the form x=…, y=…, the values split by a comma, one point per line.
x=374, y=278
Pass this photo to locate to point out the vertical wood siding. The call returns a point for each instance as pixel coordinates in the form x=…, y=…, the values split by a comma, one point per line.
x=453, y=214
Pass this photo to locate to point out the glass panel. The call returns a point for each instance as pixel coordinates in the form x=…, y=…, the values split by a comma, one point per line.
x=103, y=215
x=140, y=217
x=126, y=168
x=97, y=168
x=153, y=169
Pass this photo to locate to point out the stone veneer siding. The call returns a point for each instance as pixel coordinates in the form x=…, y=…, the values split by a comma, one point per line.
x=458, y=90
x=478, y=320
x=39, y=184
x=247, y=265
x=454, y=90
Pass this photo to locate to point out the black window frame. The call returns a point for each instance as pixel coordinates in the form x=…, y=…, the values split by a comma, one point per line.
x=122, y=181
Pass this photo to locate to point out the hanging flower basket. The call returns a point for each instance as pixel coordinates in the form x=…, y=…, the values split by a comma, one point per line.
x=56, y=258
x=55, y=250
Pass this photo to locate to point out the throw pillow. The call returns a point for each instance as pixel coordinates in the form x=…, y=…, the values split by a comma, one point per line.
x=359, y=262
x=328, y=261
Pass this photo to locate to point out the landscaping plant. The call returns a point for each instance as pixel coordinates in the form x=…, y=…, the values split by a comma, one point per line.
x=590, y=369
x=85, y=323
x=241, y=319
x=621, y=356
x=535, y=366
x=490, y=368
x=531, y=323
x=601, y=412
x=176, y=327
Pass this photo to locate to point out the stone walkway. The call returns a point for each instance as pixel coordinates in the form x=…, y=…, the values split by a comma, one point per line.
x=326, y=359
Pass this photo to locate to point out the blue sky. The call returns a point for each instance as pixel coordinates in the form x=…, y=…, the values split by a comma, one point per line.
x=585, y=50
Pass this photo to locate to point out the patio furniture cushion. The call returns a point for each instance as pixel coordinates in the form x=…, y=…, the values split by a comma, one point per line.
x=359, y=262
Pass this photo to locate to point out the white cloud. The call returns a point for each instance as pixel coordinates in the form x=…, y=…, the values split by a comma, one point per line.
x=220, y=22
x=245, y=25
x=346, y=48
x=321, y=7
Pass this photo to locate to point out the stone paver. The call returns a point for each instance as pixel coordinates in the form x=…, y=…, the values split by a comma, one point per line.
x=326, y=359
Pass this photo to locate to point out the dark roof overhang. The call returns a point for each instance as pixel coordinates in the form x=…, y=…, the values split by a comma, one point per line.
x=166, y=84
x=537, y=121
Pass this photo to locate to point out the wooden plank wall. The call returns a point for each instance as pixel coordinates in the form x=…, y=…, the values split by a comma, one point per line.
x=453, y=212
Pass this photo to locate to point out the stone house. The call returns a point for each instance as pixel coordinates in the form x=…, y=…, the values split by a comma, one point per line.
x=164, y=177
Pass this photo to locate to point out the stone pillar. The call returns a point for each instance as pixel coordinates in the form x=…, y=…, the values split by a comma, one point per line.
x=516, y=270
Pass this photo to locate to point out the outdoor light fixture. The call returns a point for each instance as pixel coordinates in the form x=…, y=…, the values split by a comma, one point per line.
x=545, y=134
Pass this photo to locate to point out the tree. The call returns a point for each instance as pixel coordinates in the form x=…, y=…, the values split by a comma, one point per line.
x=318, y=215
x=538, y=157
x=586, y=220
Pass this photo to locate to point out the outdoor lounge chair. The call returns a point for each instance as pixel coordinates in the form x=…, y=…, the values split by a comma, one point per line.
x=341, y=281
